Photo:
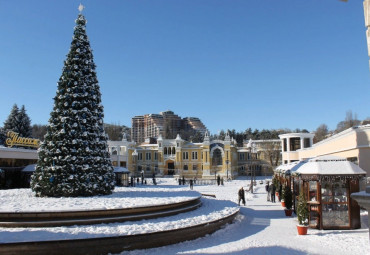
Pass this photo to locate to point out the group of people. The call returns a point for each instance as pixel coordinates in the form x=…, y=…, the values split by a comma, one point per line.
x=271, y=190
x=182, y=181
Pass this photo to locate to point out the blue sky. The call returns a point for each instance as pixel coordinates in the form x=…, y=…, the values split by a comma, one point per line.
x=233, y=63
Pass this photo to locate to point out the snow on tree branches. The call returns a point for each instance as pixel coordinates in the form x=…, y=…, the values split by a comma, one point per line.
x=74, y=159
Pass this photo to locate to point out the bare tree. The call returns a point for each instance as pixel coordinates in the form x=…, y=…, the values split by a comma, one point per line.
x=271, y=151
x=321, y=133
x=350, y=121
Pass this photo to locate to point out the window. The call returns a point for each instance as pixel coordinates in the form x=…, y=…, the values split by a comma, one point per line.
x=165, y=151
x=185, y=167
x=195, y=167
x=173, y=150
x=217, y=157
x=306, y=143
x=148, y=156
x=185, y=155
x=155, y=155
x=194, y=155
x=295, y=143
x=140, y=156
x=148, y=168
x=285, y=144
x=241, y=156
x=335, y=203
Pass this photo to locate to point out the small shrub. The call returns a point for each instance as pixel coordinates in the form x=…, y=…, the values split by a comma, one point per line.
x=302, y=209
x=288, y=197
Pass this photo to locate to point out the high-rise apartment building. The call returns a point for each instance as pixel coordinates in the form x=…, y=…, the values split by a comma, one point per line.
x=166, y=123
x=194, y=124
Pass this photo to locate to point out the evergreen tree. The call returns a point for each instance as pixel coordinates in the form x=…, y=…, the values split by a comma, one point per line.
x=24, y=123
x=2, y=136
x=12, y=120
x=302, y=209
x=288, y=197
x=74, y=159
x=39, y=131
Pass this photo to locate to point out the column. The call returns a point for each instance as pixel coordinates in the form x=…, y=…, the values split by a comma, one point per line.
x=302, y=142
x=288, y=149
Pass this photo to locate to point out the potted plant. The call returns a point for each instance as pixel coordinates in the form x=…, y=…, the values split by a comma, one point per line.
x=288, y=200
x=283, y=197
x=302, y=214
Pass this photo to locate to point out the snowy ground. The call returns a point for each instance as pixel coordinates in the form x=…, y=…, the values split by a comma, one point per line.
x=260, y=228
x=14, y=200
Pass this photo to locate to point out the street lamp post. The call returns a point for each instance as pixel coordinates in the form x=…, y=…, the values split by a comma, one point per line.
x=227, y=169
x=252, y=147
x=134, y=158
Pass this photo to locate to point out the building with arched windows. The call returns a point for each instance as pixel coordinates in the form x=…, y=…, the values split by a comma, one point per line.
x=205, y=160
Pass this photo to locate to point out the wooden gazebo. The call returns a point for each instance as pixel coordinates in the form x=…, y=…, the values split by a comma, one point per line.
x=328, y=182
x=122, y=176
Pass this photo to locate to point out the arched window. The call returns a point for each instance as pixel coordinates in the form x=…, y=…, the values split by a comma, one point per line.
x=173, y=150
x=217, y=157
x=185, y=167
x=165, y=151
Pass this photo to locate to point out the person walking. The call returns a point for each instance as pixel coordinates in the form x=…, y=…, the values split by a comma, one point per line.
x=267, y=188
x=241, y=196
x=272, y=192
x=191, y=184
x=218, y=180
x=154, y=181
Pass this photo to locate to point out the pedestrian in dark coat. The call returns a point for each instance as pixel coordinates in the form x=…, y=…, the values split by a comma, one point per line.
x=241, y=196
x=218, y=180
x=191, y=184
x=183, y=180
x=272, y=192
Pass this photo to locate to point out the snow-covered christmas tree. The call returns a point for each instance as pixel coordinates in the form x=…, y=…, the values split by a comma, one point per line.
x=74, y=159
x=24, y=123
x=19, y=122
x=11, y=121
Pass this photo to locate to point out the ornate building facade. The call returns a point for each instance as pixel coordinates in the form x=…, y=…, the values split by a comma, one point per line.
x=205, y=160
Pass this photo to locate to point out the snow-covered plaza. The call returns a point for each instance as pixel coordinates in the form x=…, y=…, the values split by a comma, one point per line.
x=260, y=228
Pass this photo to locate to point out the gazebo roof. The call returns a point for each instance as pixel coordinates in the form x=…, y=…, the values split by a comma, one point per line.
x=286, y=167
x=29, y=168
x=329, y=165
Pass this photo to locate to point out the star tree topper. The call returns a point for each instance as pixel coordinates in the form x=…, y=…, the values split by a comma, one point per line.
x=81, y=7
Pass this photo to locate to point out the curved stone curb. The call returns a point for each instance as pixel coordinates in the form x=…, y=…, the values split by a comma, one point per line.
x=56, y=219
x=115, y=244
